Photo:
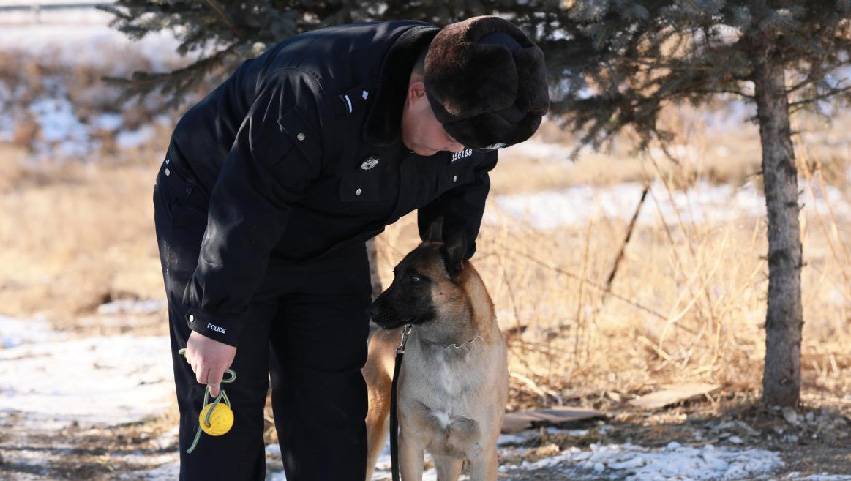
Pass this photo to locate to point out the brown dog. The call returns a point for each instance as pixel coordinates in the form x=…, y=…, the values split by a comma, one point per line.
x=453, y=382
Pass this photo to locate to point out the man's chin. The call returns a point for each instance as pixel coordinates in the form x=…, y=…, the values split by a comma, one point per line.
x=425, y=152
x=420, y=150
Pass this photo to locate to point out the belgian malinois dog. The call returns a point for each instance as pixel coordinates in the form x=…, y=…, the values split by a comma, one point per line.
x=453, y=383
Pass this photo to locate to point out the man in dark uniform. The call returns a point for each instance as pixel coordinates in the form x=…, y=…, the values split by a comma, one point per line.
x=270, y=188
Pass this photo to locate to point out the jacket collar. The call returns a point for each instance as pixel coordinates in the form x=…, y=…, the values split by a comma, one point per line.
x=383, y=122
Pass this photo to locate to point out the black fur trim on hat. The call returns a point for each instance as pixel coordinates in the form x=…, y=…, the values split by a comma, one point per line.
x=486, y=82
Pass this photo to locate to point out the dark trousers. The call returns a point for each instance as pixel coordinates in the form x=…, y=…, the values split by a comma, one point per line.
x=306, y=332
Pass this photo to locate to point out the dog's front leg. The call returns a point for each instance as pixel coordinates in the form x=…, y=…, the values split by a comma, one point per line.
x=484, y=466
x=410, y=457
x=448, y=467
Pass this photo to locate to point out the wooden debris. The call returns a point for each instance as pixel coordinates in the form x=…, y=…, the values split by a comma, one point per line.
x=673, y=394
x=522, y=420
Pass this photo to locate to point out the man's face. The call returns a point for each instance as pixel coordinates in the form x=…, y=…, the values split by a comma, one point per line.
x=421, y=131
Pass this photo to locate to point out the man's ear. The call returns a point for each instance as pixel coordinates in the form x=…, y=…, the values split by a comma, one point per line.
x=416, y=89
x=435, y=230
x=454, y=250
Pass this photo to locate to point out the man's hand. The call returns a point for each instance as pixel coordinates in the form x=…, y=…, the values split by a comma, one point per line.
x=209, y=360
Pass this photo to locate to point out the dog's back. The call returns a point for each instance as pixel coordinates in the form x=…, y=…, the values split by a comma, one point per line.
x=378, y=374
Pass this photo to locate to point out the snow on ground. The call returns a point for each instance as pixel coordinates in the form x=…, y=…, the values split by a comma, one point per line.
x=580, y=204
x=49, y=379
x=536, y=149
x=670, y=463
x=80, y=37
x=75, y=38
x=94, y=380
x=703, y=202
x=818, y=477
x=17, y=332
x=616, y=462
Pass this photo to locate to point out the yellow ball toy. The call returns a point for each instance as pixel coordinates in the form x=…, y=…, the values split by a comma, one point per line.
x=216, y=418
x=220, y=421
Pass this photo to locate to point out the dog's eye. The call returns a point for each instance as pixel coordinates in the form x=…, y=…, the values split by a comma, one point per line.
x=415, y=278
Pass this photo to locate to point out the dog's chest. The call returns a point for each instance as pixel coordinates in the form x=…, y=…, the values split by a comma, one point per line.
x=441, y=393
x=448, y=374
x=448, y=408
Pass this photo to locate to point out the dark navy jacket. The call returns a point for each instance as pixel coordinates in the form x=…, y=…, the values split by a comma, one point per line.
x=300, y=155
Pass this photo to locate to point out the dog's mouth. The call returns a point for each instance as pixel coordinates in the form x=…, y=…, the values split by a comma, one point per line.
x=392, y=322
x=390, y=314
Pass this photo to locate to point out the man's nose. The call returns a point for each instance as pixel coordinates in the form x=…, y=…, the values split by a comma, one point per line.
x=455, y=147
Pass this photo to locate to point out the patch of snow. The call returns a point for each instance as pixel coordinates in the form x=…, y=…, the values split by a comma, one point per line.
x=674, y=462
x=82, y=38
x=519, y=438
x=107, y=121
x=537, y=149
x=165, y=472
x=822, y=477
x=131, y=306
x=100, y=380
x=134, y=138
x=702, y=203
x=17, y=332
x=151, y=467
x=59, y=124
x=73, y=39
x=568, y=432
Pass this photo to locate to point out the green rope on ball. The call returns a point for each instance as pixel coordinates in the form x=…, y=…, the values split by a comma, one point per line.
x=214, y=427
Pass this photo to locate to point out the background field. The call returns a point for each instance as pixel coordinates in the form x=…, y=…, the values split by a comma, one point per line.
x=686, y=302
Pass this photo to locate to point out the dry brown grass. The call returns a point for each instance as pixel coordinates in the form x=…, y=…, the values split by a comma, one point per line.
x=76, y=235
x=684, y=307
x=687, y=303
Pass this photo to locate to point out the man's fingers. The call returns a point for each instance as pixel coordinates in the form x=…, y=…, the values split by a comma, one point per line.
x=201, y=375
x=214, y=389
x=214, y=380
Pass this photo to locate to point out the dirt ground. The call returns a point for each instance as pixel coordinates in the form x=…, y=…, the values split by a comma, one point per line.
x=815, y=439
x=811, y=447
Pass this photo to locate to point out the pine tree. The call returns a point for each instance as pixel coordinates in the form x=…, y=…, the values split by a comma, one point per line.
x=227, y=31
x=629, y=59
x=613, y=64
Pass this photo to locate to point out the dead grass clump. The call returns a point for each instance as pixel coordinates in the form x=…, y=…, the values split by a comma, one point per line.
x=687, y=302
x=80, y=237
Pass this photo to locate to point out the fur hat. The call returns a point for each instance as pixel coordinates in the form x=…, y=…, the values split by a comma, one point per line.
x=486, y=82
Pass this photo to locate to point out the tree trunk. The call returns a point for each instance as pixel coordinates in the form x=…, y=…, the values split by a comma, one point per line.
x=784, y=319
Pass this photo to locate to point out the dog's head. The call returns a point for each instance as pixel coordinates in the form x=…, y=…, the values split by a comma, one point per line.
x=426, y=283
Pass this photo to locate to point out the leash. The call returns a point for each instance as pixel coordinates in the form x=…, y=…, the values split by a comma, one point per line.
x=215, y=418
x=394, y=421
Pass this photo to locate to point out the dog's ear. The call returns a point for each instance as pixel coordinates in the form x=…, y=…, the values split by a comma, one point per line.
x=454, y=251
x=435, y=230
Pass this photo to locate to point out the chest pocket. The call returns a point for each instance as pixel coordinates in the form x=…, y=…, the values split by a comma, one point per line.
x=304, y=137
x=363, y=183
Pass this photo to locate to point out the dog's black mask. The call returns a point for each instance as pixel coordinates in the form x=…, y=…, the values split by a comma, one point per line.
x=409, y=297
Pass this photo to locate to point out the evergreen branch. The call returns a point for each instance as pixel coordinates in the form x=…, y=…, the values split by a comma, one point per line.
x=823, y=96
x=215, y=5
